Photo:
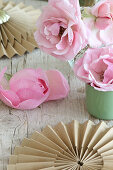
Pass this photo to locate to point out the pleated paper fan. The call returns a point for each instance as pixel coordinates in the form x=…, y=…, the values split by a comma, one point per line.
x=72, y=146
x=17, y=25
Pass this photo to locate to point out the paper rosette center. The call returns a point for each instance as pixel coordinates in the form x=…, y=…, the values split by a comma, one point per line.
x=4, y=17
x=80, y=163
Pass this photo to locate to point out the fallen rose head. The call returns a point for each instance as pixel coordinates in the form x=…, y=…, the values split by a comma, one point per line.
x=99, y=21
x=96, y=68
x=29, y=88
x=61, y=32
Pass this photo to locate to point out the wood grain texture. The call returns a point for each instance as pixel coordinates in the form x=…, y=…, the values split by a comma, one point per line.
x=16, y=124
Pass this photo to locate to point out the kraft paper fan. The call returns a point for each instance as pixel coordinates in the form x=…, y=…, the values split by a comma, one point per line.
x=72, y=146
x=17, y=25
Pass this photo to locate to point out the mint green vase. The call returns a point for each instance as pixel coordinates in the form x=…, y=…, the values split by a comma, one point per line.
x=99, y=104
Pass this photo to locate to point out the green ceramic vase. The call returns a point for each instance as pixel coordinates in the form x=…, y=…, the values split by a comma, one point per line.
x=99, y=104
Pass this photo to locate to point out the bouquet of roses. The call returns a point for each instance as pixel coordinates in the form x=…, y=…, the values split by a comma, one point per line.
x=83, y=36
x=65, y=28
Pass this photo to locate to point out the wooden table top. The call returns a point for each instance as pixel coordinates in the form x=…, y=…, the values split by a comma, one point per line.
x=16, y=124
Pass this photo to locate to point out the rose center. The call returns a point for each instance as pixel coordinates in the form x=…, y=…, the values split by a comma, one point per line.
x=102, y=76
x=62, y=29
x=43, y=85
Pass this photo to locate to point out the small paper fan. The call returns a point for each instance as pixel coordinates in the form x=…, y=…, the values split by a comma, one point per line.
x=17, y=25
x=72, y=146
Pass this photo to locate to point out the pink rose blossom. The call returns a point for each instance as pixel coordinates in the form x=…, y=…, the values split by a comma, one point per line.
x=61, y=32
x=96, y=68
x=28, y=88
x=100, y=23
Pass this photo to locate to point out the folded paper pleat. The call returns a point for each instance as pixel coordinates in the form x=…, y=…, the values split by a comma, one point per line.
x=17, y=34
x=66, y=146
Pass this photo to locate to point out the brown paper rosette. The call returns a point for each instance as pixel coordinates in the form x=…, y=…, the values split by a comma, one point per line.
x=72, y=146
x=17, y=25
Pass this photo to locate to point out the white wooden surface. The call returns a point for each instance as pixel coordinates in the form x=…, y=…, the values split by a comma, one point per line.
x=16, y=124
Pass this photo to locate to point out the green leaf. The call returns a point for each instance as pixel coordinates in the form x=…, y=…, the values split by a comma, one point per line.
x=86, y=13
x=7, y=76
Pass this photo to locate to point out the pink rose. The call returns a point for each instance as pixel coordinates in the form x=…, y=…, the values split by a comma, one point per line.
x=61, y=32
x=100, y=23
x=28, y=88
x=96, y=68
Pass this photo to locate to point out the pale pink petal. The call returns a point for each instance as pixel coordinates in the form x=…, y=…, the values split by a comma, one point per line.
x=70, y=7
x=104, y=10
x=94, y=39
x=58, y=85
x=55, y=28
x=46, y=31
x=42, y=41
x=47, y=13
x=54, y=40
x=92, y=31
x=70, y=51
x=79, y=70
x=103, y=23
x=62, y=43
x=23, y=74
x=9, y=97
x=23, y=83
x=108, y=74
x=26, y=94
x=95, y=8
x=98, y=65
x=76, y=5
x=106, y=35
x=62, y=21
x=77, y=43
x=62, y=51
x=70, y=35
x=30, y=104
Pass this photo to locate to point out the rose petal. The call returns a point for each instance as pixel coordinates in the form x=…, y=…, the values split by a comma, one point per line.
x=104, y=10
x=108, y=74
x=70, y=8
x=62, y=43
x=79, y=70
x=55, y=28
x=58, y=85
x=30, y=104
x=9, y=97
x=23, y=74
x=105, y=35
x=103, y=23
x=95, y=8
x=93, y=38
